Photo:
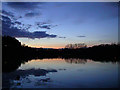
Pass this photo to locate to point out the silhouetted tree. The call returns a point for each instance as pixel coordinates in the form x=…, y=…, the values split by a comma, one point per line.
x=76, y=46
x=14, y=53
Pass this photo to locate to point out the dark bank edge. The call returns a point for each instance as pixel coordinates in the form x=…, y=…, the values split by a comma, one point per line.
x=119, y=41
x=0, y=48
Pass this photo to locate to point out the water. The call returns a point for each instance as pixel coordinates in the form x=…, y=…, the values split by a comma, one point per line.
x=66, y=73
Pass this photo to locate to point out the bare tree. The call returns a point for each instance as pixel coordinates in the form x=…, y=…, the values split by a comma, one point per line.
x=75, y=46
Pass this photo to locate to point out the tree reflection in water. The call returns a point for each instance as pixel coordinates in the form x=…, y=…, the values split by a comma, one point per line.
x=76, y=61
x=14, y=54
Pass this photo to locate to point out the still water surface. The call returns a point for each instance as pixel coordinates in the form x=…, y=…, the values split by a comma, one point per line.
x=68, y=73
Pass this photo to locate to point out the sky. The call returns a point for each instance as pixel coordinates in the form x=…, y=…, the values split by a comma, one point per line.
x=56, y=24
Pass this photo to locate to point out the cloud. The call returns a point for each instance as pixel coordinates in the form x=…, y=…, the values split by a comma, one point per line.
x=24, y=5
x=62, y=37
x=45, y=25
x=9, y=17
x=7, y=13
x=18, y=22
x=9, y=29
x=15, y=32
x=32, y=14
x=81, y=36
x=7, y=21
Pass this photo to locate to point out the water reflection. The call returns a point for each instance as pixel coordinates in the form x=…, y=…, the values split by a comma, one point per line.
x=62, y=73
x=16, y=76
x=76, y=61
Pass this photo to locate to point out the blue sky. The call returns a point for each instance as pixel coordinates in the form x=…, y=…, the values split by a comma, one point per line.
x=55, y=24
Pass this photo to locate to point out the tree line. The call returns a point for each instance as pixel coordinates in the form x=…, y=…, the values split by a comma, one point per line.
x=13, y=52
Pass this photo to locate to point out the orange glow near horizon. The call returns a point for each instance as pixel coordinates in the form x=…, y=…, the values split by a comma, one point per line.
x=55, y=47
x=36, y=44
x=47, y=60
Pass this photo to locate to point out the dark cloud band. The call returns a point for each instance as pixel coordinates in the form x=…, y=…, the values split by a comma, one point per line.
x=32, y=14
x=24, y=5
x=14, y=32
x=9, y=29
x=81, y=36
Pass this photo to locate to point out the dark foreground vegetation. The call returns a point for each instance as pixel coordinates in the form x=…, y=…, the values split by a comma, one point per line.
x=13, y=53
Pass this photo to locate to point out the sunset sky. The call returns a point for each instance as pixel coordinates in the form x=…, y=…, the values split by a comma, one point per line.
x=53, y=25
